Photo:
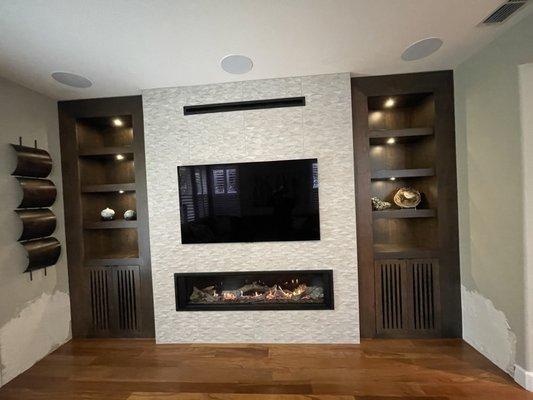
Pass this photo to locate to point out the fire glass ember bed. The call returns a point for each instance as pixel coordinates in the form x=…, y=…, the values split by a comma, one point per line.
x=265, y=290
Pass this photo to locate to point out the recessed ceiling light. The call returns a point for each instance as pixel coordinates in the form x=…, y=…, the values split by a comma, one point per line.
x=391, y=140
x=421, y=49
x=236, y=64
x=393, y=178
x=72, y=80
x=390, y=102
x=117, y=122
x=121, y=191
x=120, y=157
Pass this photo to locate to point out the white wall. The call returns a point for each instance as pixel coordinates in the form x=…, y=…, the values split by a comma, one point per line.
x=491, y=207
x=34, y=315
x=321, y=129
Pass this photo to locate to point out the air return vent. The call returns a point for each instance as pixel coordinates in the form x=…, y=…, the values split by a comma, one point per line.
x=504, y=11
x=244, y=105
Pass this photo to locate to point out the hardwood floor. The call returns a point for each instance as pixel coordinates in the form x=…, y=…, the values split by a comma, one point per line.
x=377, y=369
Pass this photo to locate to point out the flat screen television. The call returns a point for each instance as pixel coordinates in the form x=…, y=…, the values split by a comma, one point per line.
x=249, y=202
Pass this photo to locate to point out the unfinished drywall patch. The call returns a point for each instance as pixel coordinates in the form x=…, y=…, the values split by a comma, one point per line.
x=487, y=330
x=30, y=336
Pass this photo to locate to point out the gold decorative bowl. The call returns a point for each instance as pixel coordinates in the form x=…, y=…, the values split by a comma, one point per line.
x=407, y=198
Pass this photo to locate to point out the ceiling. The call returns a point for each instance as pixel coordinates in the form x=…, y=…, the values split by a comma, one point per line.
x=124, y=46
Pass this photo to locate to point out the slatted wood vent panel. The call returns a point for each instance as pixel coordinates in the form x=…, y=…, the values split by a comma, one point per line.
x=391, y=294
x=99, y=299
x=407, y=301
x=423, y=294
x=127, y=299
x=115, y=299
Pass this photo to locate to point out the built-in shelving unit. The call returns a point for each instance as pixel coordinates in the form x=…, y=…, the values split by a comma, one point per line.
x=102, y=147
x=403, y=137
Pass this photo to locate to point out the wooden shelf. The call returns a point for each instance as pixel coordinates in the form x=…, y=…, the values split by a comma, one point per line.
x=104, y=151
x=127, y=187
x=108, y=262
x=405, y=213
x=403, y=173
x=390, y=251
x=115, y=224
x=380, y=136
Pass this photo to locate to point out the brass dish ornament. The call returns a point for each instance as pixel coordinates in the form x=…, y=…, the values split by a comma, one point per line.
x=407, y=198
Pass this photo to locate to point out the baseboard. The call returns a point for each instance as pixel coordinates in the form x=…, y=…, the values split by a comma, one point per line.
x=523, y=378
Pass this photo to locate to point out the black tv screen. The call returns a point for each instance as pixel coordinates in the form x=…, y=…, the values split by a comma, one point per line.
x=249, y=202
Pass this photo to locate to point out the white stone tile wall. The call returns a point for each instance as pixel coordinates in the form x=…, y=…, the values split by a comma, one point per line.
x=321, y=129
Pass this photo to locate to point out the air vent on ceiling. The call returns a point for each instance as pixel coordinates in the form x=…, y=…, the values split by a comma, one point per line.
x=504, y=11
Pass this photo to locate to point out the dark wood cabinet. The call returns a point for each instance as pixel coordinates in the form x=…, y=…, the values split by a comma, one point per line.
x=408, y=257
x=102, y=151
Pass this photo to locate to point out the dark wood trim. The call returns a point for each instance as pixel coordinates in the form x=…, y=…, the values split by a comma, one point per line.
x=79, y=264
x=365, y=240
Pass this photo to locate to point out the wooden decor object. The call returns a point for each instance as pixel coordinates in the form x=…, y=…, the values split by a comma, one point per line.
x=42, y=253
x=409, y=284
x=32, y=162
x=33, y=165
x=37, y=192
x=36, y=223
x=109, y=261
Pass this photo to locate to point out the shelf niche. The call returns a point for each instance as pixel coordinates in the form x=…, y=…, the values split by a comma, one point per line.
x=407, y=162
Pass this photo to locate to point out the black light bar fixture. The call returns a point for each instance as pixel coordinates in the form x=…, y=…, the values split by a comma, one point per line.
x=244, y=105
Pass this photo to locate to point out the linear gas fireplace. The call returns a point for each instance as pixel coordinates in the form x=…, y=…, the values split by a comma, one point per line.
x=265, y=290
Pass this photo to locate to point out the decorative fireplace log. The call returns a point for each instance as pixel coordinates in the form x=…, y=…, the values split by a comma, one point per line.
x=256, y=292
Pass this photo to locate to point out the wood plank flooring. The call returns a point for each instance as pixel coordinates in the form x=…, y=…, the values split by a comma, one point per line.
x=374, y=370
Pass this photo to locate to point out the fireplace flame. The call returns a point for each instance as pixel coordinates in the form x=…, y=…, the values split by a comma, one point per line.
x=257, y=292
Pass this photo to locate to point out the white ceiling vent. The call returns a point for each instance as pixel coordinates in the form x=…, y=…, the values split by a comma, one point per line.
x=504, y=11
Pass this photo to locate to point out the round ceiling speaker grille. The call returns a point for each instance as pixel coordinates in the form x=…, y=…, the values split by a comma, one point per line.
x=236, y=64
x=72, y=80
x=421, y=49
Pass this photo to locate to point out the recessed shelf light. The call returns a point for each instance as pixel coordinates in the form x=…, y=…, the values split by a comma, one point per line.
x=236, y=64
x=117, y=122
x=390, y=102
x=120, y=157
x=72, y=80
x=393, y=178
x=121, y=191
x=391, y=140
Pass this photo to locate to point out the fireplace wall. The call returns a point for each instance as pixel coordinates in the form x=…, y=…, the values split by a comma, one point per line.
x=322, y=129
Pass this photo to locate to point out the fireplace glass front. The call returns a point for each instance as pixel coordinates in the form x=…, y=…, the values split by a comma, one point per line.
x=265, y=290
